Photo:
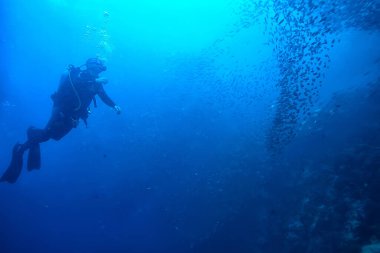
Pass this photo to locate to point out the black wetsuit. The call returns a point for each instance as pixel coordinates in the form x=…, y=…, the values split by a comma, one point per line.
x=76, y=91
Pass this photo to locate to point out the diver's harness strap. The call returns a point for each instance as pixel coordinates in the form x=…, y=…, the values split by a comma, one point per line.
x=70, y=69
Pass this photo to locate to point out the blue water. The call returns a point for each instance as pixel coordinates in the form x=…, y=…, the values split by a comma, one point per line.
x=246, y=126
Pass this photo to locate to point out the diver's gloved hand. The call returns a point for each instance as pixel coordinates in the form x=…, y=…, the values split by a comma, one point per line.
x=117, y=109
x=102, y=80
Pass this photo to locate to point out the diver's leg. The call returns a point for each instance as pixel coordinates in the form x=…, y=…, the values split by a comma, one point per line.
x=35, y=137
x=57, y=127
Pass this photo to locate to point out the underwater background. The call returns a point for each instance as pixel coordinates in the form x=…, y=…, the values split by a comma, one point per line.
x=247, y=126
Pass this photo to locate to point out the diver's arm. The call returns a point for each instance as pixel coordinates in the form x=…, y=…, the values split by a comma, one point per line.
x=107, y=100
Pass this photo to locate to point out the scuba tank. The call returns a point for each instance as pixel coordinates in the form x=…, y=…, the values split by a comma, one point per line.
x=67, y=97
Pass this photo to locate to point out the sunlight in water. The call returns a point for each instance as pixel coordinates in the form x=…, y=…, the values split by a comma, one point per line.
x=164, y=25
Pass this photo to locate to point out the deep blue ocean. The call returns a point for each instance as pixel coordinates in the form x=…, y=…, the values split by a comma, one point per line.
x=247, y=126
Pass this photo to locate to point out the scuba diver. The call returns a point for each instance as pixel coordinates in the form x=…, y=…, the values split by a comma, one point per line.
x=77, y=89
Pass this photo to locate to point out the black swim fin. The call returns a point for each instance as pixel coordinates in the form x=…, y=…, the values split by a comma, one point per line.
x=34, y=157
x=14, y=169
